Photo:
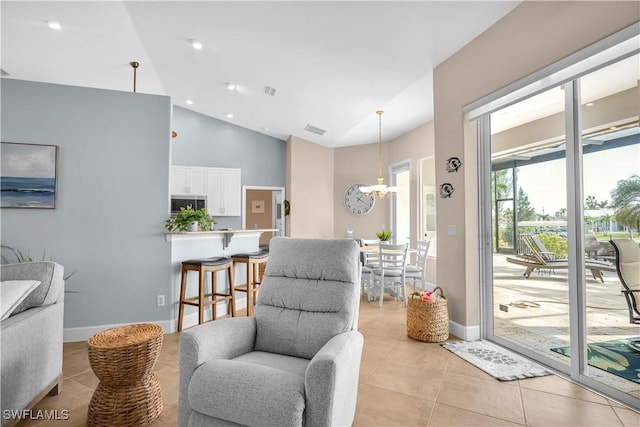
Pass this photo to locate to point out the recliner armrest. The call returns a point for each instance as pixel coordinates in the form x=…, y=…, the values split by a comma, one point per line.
x=331, y=380
x=221, y=339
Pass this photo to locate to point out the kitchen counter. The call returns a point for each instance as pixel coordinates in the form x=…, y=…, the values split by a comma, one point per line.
x=227, y=234
x=187, y=245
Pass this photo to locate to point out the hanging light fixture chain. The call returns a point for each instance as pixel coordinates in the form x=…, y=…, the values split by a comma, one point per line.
x=379, y=190
x=379, y=113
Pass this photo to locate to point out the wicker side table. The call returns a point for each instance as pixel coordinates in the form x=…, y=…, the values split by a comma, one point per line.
x=129, y=392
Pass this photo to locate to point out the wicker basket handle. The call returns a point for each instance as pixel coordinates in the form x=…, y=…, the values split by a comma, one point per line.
x=438, y=288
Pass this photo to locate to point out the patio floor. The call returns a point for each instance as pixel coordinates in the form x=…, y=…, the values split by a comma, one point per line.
x=538, y=313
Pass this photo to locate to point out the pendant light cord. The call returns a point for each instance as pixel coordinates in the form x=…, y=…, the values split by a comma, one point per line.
x=379, y=113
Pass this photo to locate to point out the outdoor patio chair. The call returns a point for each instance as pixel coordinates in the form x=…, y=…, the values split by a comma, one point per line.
x=628, y=269
x=540, y=258
x=597, y=250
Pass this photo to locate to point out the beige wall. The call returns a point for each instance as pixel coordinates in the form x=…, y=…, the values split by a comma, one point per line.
x=358, y=164
x=310, y=189
x=532, y=36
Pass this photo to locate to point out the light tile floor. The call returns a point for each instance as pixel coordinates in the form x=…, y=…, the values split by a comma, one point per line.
x=545, y=326
x=403, y=382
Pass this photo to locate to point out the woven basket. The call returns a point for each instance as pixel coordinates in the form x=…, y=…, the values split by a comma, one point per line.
x=129, y=393
x=428, y=321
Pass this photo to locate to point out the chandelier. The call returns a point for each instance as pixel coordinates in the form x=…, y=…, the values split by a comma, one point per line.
x=379, y=190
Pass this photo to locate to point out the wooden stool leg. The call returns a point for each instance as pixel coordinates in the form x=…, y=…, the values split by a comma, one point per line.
x=232, y=302
x=249, y=289
x=183, y=289
x=201, y=291
x=214, y=292
x=254, y=283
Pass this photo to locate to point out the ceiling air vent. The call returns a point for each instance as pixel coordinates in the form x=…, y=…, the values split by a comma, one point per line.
x=271, y=91
x=313, y=129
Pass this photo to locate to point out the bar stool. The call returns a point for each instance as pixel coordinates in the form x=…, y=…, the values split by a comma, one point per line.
x=253, y=262
x=203, y=266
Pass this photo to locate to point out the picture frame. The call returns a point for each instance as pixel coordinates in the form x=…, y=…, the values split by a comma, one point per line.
x=29, y=175
x=257, y=206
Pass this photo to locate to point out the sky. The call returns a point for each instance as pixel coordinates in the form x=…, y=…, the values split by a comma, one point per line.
x=545, y=183
x=28, y=160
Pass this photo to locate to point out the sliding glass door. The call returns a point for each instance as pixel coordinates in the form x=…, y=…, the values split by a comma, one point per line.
x=559, y=163
x=611, y=166
x=530, y=266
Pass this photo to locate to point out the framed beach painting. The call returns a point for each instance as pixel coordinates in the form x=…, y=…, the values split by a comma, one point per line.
x=28, y=175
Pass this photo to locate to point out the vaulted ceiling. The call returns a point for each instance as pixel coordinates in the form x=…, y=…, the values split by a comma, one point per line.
x=327, y=64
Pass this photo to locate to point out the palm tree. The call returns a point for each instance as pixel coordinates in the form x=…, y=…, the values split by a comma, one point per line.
x=626, y=201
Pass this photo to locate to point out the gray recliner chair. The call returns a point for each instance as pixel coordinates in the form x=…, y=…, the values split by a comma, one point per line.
x=296, y=361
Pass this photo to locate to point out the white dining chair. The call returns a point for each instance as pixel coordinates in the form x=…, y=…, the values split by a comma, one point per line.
x=370, y=260
x=390, y=275
x=416, y=272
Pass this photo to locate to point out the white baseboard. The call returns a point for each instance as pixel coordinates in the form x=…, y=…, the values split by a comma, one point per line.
x=83, y=333
x=467, y=333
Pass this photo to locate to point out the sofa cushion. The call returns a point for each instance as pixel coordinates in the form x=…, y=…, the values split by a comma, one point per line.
x=247, y=393
x=50, y=275
x=13, y=292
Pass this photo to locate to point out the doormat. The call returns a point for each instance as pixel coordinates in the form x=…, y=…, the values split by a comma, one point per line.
x=619, y=357
x=496, y=361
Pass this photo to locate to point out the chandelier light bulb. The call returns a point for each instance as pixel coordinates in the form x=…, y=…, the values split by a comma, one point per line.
x=54, y=25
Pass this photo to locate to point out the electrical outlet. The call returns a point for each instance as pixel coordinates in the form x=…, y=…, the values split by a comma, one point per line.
x=160, y=300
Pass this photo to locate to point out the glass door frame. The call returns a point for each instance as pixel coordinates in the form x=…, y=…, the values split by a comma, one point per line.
x=567, y=72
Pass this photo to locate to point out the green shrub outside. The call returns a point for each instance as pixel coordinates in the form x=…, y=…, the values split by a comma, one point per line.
x=555, y=244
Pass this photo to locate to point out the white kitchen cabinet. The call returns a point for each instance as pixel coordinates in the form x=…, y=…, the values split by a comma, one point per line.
x=224, y=191
x=188, y=180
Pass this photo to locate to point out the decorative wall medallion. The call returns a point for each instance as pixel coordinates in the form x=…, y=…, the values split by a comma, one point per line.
x=453, y=164
x=446, y=190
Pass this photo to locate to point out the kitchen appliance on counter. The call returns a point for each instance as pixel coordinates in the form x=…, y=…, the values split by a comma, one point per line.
x=196, y=202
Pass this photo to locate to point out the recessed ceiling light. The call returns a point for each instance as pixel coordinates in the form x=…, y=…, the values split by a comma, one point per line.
x=54, y=25
x=189, y=101
x=589, y=104
x=229, y=115
x=196, y=44
x=230, y=86
x=613, y=128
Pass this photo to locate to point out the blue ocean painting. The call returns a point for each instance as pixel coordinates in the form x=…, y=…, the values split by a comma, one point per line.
x=23, y=192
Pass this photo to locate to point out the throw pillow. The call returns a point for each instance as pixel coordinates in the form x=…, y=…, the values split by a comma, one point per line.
x=12, y=293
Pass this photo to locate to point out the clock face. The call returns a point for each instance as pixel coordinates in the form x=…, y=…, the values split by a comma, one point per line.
x=356, y=202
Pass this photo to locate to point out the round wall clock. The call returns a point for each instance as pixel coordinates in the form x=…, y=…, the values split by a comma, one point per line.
x=356, y=202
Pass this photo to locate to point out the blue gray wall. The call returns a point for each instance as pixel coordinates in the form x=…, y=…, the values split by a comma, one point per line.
x=112, y=199
x=205, y=141
x=113, y=190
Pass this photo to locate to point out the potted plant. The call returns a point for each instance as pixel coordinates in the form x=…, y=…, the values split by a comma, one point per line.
x=384, y=235
x=189, y=219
